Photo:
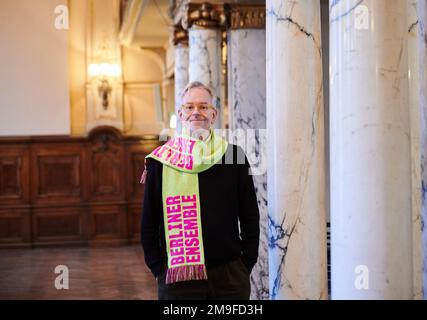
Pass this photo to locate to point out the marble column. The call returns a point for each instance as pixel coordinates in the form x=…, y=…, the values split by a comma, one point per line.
x=205, y=49
x=247, y=111
x=296, y=155
x=370, y=151
x=414, y=103
x=422, y=41
x=181, y=68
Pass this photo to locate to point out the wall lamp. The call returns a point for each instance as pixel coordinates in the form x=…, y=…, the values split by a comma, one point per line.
x=105, y=73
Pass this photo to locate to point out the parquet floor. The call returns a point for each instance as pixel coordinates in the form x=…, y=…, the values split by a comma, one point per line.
x=94, y=273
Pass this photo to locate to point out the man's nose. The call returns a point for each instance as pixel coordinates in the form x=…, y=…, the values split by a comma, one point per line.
x=197, y=114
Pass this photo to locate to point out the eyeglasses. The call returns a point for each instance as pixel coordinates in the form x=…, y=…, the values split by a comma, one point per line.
x=203, y=108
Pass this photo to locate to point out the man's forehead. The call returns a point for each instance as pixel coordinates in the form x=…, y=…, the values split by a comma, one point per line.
x=197, y=95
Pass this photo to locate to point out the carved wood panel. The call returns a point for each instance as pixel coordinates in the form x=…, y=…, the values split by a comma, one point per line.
x=60, y=225
x=15, y=227
x=107, y=168
x=14, y=176
x=136, y=167
x=134, y=222
x=57, y=174
x=107, y=224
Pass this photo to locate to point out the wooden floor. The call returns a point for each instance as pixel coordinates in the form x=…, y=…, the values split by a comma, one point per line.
x=94, y=273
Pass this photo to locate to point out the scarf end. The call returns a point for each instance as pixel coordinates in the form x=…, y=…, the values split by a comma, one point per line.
x=186, y=273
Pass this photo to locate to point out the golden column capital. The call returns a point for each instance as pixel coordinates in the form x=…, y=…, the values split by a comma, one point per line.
x=205, y=15
x=180, y=36
x=245, y=16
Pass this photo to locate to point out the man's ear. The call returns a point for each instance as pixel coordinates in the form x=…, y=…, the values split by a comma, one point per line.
x=180, y=114
x=215, y=115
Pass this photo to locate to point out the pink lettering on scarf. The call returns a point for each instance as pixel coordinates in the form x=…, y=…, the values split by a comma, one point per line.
x=183, y=229
x=177, y=152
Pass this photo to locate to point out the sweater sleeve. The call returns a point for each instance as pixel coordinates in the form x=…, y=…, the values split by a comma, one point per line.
x=151, y=218
x=248, y=215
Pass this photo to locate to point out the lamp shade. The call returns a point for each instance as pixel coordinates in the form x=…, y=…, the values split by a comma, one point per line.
x=104, y=70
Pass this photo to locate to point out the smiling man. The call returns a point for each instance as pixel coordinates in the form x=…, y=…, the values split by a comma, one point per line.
x=200, y=219
x=198, y=112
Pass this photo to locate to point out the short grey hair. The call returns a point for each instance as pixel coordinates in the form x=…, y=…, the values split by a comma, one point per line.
x=198, y=84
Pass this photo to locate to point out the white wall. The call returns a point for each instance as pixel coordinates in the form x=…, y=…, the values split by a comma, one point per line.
x=34, y=93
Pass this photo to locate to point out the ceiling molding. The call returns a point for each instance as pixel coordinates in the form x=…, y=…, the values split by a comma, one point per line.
x=131, y=19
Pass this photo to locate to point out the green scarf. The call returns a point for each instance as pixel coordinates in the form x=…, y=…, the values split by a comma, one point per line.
x=183, y=157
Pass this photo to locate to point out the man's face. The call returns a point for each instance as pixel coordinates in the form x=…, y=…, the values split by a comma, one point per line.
x=197, y=113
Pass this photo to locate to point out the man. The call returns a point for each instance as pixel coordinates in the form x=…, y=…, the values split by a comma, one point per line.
x=194, y=205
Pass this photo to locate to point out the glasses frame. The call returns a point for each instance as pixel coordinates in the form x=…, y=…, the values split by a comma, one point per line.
x=196, y=106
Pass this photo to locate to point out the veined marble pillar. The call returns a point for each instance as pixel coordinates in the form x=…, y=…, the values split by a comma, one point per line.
x=205, y=49
x=422, y=40
x=414, y=99
x=296, y=157
x=247, y=111
x=370, y=155
x=181, y=68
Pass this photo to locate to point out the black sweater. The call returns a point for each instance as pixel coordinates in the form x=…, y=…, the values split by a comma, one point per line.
x=227, y=197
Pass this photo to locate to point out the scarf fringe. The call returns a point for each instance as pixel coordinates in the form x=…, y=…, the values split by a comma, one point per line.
x=143, y=177
x=186, y=273
x=144, y=174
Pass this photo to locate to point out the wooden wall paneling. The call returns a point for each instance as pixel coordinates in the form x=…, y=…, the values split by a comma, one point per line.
x=14, y=175
x=135, y=155
x=107, y=225
x=15, y=224
x=57, y=173
x=107, y=194
x=15, y=228
x=134, y=223
x=56, y=225
x=58, y=193
x=106, y=164
x=64, y=191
